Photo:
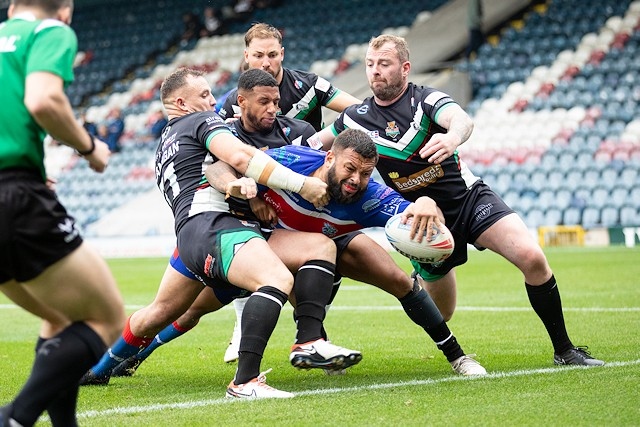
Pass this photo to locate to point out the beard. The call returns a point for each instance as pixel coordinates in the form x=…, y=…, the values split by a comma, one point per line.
x=253, y=120
x=389, y=91
x=274, y=71
x=335, y=190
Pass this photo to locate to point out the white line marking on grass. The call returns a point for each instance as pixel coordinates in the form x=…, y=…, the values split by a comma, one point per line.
x=335, y=390
x=399, y=308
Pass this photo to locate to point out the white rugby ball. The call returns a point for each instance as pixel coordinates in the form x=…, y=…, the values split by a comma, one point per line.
x=436, y=250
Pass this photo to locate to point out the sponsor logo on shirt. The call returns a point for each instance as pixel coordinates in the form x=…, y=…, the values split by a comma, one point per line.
x=417, y=180
x=370, y=205
x=211, y=120
x=363, y=109
x=298, y=84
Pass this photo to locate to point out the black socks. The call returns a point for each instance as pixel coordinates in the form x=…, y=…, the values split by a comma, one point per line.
x=53, y=384
x=259, y=318
x=545, y=300
x=423, y=311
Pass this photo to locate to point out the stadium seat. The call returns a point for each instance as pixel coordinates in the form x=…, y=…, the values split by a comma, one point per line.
x=553, y=216
x=590, y=217
x=629, y=216
x=610, y=217
x=572, y=216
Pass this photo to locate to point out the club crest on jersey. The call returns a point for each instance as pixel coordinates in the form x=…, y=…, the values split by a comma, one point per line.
x=329, y=230
x=392, y=130
x=298, y=84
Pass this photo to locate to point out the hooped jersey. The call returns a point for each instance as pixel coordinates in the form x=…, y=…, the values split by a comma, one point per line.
x=302, y=94
x=399, y=131
x=182, y=157
x=285, y=131
x=29, y=45
x=373, y=209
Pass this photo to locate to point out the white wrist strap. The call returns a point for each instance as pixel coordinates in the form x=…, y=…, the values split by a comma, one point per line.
x=268, y=172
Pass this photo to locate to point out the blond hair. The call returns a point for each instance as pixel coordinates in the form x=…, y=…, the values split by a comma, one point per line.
x=261, y=30
x=402, y=48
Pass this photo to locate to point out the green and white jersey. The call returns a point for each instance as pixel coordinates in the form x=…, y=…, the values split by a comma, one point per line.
x=29, y=45
x=399, y=131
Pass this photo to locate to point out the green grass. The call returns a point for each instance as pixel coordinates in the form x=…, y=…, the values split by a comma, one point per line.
x=403, y=379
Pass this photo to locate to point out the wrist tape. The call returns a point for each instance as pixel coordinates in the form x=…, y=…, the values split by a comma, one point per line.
x=268, y=172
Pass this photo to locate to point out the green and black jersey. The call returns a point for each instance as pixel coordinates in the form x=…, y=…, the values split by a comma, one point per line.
x=29, y=45
x=399, y=131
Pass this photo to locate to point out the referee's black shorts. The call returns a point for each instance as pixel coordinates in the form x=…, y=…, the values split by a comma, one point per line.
x=35, y=229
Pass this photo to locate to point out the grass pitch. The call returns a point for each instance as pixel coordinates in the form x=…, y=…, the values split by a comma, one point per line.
x=403, y=379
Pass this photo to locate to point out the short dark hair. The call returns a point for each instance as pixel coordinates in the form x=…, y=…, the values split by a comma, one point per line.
x=49, y=6
x=255, y=77
x=176, y=80
x=358, y=141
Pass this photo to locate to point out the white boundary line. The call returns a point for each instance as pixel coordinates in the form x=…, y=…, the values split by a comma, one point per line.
x=399, y=308
x=336, y=390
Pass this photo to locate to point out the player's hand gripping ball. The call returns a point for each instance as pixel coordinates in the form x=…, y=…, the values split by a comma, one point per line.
x=436, y=250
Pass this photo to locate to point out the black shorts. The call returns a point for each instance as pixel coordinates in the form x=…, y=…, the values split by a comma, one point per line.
x=480, y=210
x=208, y=242
x=35, y=229
x=343, y=241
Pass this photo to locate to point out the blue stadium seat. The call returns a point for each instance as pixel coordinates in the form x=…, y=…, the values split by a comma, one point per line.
x=572, y=216
x=629, y=216
x=590, y=217
x=610, y=217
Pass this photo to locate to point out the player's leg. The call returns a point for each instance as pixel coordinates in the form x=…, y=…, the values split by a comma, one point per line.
x=311, y=256
x=366, y=261
x=510, y=238
x=175, y=294
x=270, y=284
x=82, y=311
x=443, y=291
x=231, y=353
x=205, y=303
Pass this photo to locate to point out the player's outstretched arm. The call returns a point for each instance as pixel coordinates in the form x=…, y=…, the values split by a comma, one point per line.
x=255, y=164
